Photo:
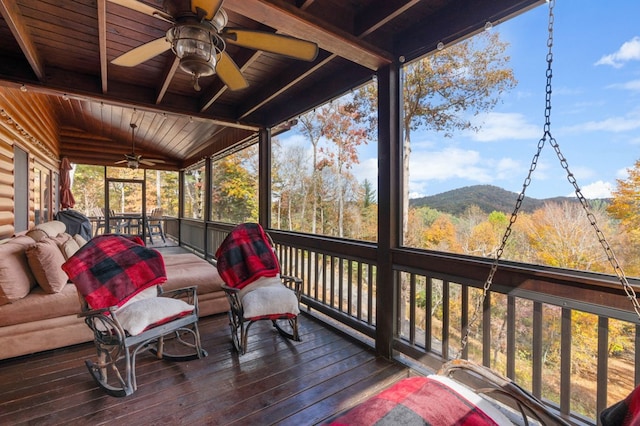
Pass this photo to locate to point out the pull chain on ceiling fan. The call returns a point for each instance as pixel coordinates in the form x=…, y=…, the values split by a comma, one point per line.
x=133, y=160
x=199, y=37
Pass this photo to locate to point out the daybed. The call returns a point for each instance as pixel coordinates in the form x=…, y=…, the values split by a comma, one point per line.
x=39, y=307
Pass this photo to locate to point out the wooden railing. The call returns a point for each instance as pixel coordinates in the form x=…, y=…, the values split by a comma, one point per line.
x=569, y=337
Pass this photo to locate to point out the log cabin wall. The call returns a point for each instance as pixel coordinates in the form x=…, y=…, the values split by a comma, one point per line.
x=28, y=122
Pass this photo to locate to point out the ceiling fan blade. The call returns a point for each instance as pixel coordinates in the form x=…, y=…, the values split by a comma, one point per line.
x=229, y=73
x=143, y=8
x=147, y=162
x=120, y=162
x=208, y=7
x=142, y=53
x=274, y=43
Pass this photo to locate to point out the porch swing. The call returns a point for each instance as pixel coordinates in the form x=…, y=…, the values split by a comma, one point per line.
x=487, y=396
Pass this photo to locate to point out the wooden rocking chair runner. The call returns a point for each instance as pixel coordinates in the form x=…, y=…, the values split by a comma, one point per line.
x=118, y=281
x=253, y=285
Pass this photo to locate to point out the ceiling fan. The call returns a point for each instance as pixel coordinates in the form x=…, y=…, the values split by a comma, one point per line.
x=199, y=37
x=133, y=160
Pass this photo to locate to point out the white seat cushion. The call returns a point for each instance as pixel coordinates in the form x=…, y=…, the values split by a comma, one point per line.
x=268, y=296
x=138, y=316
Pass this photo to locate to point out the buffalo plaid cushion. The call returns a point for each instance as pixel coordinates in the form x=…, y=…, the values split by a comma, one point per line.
x=111, y=269
x=417, y=401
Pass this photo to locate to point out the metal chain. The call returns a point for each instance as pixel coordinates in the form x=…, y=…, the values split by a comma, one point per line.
x=585, y=204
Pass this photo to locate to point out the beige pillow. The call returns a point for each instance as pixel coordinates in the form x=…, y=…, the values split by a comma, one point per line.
x=16, y=279
x=37, y=234
x=52, y=227
x=45, y=260
x=80, y=240
x=69, y=248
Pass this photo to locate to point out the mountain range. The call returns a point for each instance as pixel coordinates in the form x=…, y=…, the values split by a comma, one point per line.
x=487, y=197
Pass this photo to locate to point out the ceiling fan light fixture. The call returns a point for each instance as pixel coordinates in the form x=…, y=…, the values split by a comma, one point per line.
x=132, y=163
x=197, y=48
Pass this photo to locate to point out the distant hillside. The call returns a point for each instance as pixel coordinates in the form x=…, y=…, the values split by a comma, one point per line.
x=487, y=197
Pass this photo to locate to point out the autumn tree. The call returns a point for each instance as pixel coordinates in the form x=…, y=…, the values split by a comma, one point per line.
x=88, y=187
x=626, y=203
x=340, y=123
x=443, y=91
x=235, y=188
x=562, y=236
x=310, y=127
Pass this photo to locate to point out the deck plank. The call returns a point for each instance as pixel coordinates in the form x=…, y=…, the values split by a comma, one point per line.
x=276, y=382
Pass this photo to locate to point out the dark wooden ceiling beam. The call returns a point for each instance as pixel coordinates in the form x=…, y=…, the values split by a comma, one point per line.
x=169, y=73
x=284, y=83
x=78, y=85
x=331, y=87
x=298, y=23
x=377, y=17
x=366, y=25
x=102, y=40
x=214, y=91
x=13, y=17
x=460, y=19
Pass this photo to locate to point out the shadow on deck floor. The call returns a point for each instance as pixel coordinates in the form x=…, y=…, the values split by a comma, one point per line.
x=276, y=382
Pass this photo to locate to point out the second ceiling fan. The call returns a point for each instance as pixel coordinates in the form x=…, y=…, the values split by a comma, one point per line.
x=199, y=37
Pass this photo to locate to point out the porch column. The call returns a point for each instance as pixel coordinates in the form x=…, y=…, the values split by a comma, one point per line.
x=264, y=178
x=389, y=203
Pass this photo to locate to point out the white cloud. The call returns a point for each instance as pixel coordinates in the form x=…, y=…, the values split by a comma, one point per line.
x=599, y=189
x=633, y=85
x=614, y=124
x=629, y=51
x=500, y=126
x=447, y=164
x=366, y=169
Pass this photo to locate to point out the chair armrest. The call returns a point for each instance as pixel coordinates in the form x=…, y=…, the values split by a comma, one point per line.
x=106, y=328
x=233, y=297
x=188, y=294
x=294, y=283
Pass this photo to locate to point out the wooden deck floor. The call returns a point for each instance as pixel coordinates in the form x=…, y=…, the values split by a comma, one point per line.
x=276, y=382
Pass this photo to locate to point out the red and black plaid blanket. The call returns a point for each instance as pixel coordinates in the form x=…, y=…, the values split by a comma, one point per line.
x=623, y=413
x=416, y=401
x=246, y=255
x=111, y=269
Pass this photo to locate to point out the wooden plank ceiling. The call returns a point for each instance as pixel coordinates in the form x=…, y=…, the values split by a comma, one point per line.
x=64, y=49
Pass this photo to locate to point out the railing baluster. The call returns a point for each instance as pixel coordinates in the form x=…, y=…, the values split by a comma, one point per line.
x=445, y=319
x=602, y=364
x=511, y=337
x=486, y=331
x=565, y=362
x=537, y=350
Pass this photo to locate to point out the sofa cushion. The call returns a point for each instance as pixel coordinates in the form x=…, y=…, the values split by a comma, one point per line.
x=16, y=279
x=45, y=260
x=187, y=269
x=39, y=305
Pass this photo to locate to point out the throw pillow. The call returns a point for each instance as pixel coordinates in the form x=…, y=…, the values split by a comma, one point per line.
x=45, y=260
x=69, y=248
x=80, y=240
x=16, y=279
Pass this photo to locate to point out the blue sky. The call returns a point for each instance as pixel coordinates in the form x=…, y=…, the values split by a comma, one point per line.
x=595, y=114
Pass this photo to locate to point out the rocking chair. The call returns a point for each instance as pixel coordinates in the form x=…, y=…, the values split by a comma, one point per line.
x=118, y=281
x=253, y=285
